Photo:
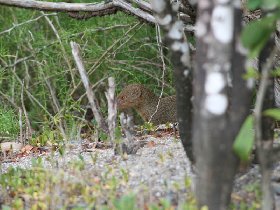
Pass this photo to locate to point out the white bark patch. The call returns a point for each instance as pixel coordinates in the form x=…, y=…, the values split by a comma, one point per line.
x=184, y=47
x=216, y=104
x=229, y=79
x=215, y=82
x=185, y=59
x=200, y=29
x=175, y=6
x=165, y=20
x=250, y=83
x=186, y=72
x=237, y=4
x=158, y=5
x=204, y=4
x=212, y=67
x=176, y=46
x=223, y=1
x=227, y=66
x=240, y=48
x=180, y=46
x=176, y=30
x=222, y=23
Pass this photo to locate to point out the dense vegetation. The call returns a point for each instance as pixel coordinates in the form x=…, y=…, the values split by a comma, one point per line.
x=117, y=45
x=43, y=101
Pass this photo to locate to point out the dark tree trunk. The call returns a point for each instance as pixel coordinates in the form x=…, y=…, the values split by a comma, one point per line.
x=220, y=106
x=267, y=122
x=180, y=58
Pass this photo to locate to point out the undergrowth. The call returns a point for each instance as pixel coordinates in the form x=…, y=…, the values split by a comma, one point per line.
x=76, y=188
x=117, y=45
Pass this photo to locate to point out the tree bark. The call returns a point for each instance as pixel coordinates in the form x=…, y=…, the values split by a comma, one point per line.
x=264, y=126
x=166, y=15
x=91, y=96
x=219, y=106
x=98, y=9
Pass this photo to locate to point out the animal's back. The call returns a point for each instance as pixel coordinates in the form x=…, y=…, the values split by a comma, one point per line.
x=166, y=111
x=145, y=102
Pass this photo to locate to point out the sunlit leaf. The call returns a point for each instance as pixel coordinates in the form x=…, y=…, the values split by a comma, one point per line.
x=251, y=73
x=256, y=34
x=274, y=113
x=244, y=141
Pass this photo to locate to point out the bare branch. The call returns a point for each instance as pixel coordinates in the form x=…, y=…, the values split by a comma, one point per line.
x=112, y=108
x=91, y=97
x=26, y=22
x=80, y=7
x=160, y=49
x=264, y=148
x=142, y=4
x=129, y=145
x=99, y=61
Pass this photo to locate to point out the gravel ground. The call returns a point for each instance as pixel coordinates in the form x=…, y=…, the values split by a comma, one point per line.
x=160, y=170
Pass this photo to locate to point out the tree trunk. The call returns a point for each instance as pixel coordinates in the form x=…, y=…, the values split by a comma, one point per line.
x=219, y=106
x=166, y=14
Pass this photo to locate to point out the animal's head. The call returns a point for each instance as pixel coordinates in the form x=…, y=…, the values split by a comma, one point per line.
x=130, y=96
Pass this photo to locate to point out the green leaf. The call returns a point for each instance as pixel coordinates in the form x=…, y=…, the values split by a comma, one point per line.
x=251, y=73
x=244, y=141
x=273, y=113
x=255, y=35
x=275, y=72
x=254, y=4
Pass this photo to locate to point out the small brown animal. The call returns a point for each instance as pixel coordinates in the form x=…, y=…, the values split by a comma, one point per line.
x=145, y=102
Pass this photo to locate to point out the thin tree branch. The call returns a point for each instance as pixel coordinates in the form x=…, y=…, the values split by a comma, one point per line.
x=91, y=97
x=142, y=4
x=80, y=7
x=99, y=61
x=264, y=148
x=26, y=22
x=160, y=49
x=112, y=108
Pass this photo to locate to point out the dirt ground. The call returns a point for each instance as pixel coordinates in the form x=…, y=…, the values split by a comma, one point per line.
x=159, y=170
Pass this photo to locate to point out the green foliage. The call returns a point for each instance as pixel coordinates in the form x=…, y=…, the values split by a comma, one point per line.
x=253, y=4
x=263, y=4
x=256, y=34
x=273, y=113
x=9, y=124
x=261, y=30
x=251, y=73
x=51, y=187
x=244, y=141
x=148, y=126
x=254, y=191
x=275, y=72
x=48, y=137
x=117, y=45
